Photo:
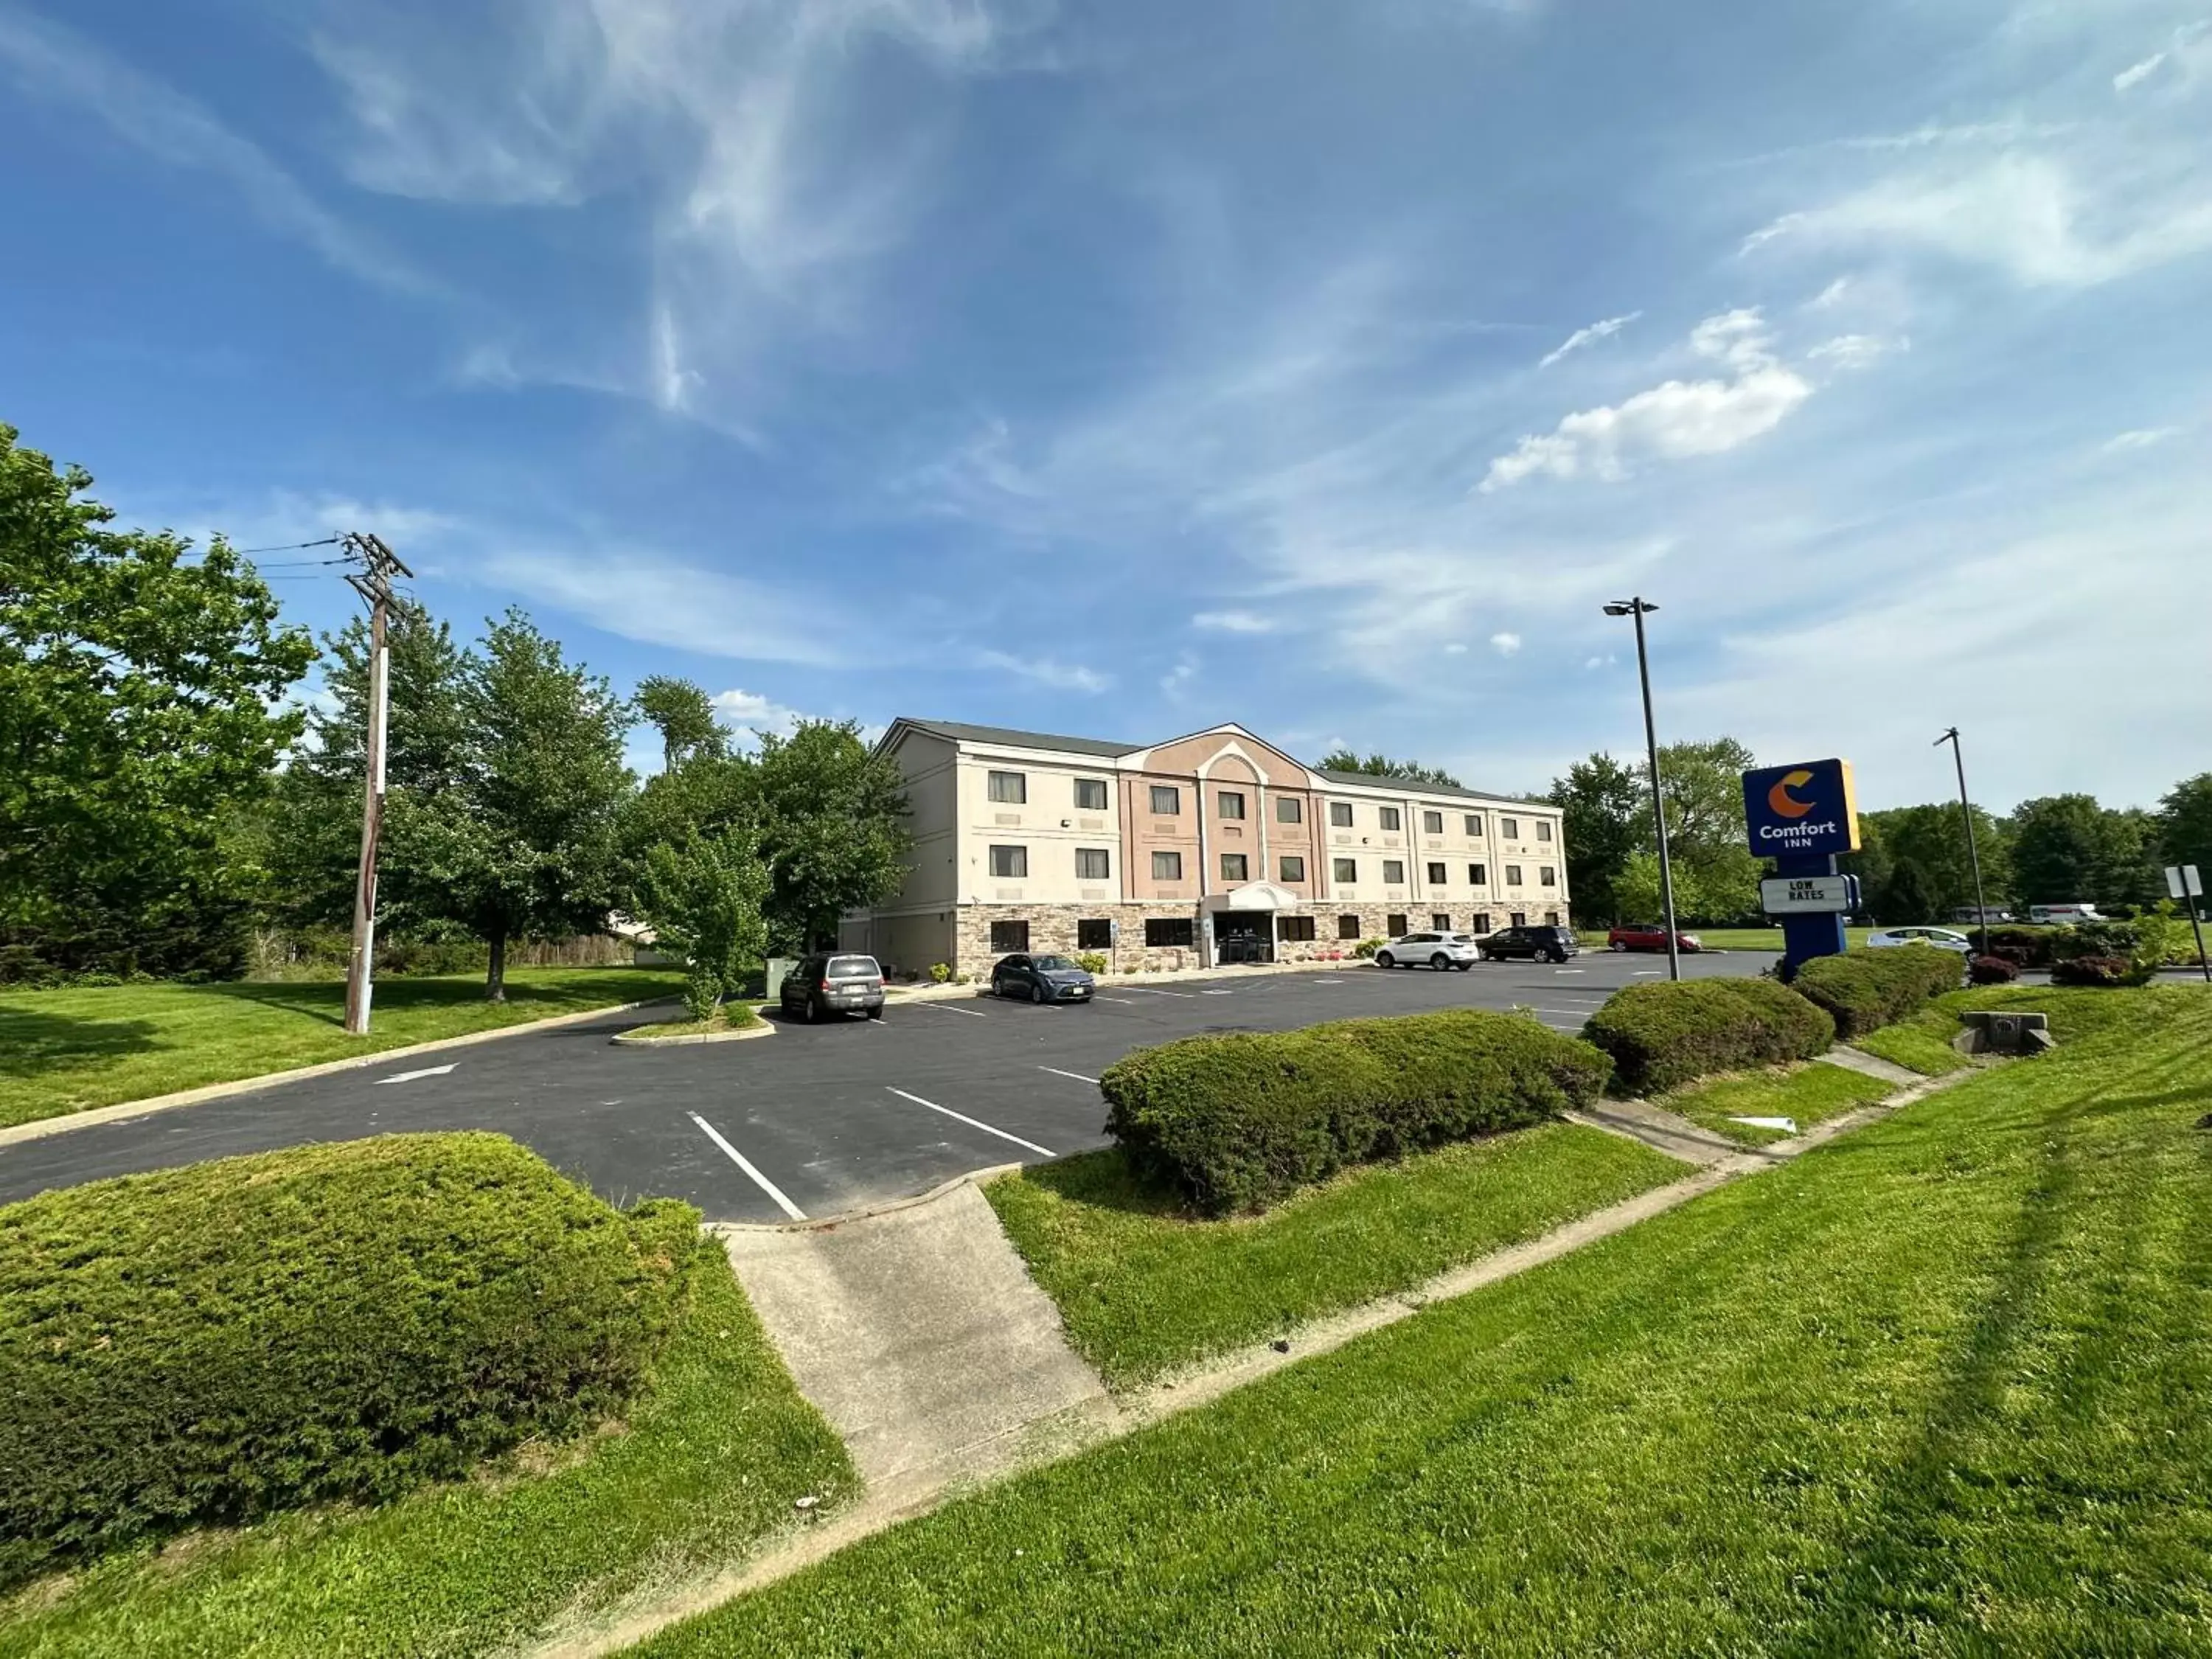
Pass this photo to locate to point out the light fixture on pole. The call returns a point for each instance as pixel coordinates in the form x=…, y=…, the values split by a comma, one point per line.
x=1639, y=608
x=1966, y=811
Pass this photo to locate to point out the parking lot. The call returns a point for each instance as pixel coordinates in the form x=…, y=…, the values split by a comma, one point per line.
x=815, y=1121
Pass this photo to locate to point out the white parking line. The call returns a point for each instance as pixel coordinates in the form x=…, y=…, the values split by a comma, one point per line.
x=1148, y=991
x=1649, y=973
x=743, y=1162
x=409, y=1077
x=1324, y=981
x=1124, y=1001
x=1077, y=1076
x=1571, y=970
x=1041, y=1151
x=1566, y=1013
x=947, y=1008
x=1216, y=994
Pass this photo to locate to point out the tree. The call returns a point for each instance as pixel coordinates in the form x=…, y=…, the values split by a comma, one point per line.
x=2067, y=849
x=1934, y=838
x=1905, y=898
x=703, y=896
x=525, y=841
x=684, y=715
x=141, y=707
x=1381, y=766
x=1701, y=783
x=2185, y=823
x=1605, y=817
x=833, y=827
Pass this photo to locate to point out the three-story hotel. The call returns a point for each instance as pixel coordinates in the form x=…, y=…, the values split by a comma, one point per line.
x=1210, y=848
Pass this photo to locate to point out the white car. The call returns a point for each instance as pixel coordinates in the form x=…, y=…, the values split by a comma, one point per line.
x=1434, y=949
x=1942, y=938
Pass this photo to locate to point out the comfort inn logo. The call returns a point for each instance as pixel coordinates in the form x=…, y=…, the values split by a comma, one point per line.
x=1784, y=804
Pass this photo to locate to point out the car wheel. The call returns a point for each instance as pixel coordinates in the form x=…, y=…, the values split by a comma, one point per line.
x=1466, y=967
x=1384, y=959
x=1555, y=956
x=809, y=1012
x=1617, y=944
x=876, y=1012
x=1440, y=962
x=1036, y=992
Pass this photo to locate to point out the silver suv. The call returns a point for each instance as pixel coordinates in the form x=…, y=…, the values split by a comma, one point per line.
x=1439, y=950
x=821, y=985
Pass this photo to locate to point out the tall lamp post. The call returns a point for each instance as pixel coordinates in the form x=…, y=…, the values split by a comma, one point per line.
x=1973, y=854
x=1637, y=607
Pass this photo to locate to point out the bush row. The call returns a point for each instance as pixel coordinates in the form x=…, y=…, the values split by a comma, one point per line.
x=1865, y=989
x=1664, y=1035
x=209, y=1344
x=1238, y=1120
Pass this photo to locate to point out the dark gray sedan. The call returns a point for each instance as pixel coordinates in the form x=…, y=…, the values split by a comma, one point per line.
x=1041, y=979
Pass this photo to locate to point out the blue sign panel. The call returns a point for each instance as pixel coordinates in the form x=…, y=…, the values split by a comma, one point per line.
x=1809, y=808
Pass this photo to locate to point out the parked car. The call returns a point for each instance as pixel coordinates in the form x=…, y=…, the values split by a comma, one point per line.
x=1650, y=939
x=2062, y=915
x=1990, y=917
x=1942, y=938
x=1437, y=951
x=825, y=985
x=1041, y=979
x=1543, y=943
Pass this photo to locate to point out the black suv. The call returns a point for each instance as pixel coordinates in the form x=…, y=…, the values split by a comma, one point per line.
x=1539, y=943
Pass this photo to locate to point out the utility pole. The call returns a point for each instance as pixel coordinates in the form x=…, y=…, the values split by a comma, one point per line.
x=1639, y=607
x=373, y=581
x=1966, y=811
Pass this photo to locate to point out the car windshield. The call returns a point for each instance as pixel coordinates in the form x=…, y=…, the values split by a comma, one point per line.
x=853, y=968
x=1050, y=963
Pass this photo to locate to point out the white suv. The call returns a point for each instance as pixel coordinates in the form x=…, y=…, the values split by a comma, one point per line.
x=1439, y=950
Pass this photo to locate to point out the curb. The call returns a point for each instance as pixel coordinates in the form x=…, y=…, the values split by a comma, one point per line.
x=40, y=1129
x=889, y=1206
x=759, y=1028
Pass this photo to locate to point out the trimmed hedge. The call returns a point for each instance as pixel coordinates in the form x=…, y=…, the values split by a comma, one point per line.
x=2023, y=947
x=209, y=1344
x=1866, y=989
x=1992, y=970
x=1239, y=1121
x=2095, y=972
x=1664, y=1035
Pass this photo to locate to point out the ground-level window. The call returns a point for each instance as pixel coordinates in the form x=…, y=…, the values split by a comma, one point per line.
x=1436, y=875
x=1474, y=825
x=1481, y=923
x=1519, y=918
x=1432, y=823
x=1090, y=794
x=1347, y=927
x=1394, y=873
x=1289, y=810
x=1009, y=936
x=1011, y=786
x=1340, y=814
x=1232, y=803
x=1093, y=864
x=1547, y=877
x=1167, y=867
x=1163, y=933
x=1094, y=934
x=1478, y=875
x=1512, y=875
x=1552, y=917
x=1440, y=921
x=1388, y=817
x=1543, y=829
x=1291, y=868
x=1167, y=800
x=1009, y=862
x=1347, y=871
x=1510, y=828
x=1296, y=929
x=1395, y=927
x=1233, y=866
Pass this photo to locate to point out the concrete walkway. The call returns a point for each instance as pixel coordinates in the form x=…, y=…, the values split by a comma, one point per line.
x=1656, y=1127
x=1866, y=1065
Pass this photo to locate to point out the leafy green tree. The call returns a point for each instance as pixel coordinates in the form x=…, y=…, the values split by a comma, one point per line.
x=1934, y=838
x=525, y=842
x=2067, y=849
x=1701, y=783
x=1906, y=898
x=684, y=715
x=1381, y=766
x=1605, y=817
x=833, y=827
x=703, y=896
x=141, y=705
x=2185, y=823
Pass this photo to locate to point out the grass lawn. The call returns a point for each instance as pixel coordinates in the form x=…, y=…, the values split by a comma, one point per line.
x=1811, y=1092
x=1144, y=1288
x=1720, y=938
x=1938, y=1388
x=1922, y=1043
x=710, y=1461
x=67, y=1051
x=731, y=1017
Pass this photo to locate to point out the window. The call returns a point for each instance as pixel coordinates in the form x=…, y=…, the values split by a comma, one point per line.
x=1291, y=867
x=1233, y=865
x=1547, y=877
x=1436, y=875
x=1090, y=794
x=1009, y=936
x=1163, y=932
x=1013, y=787
x=1481, y=923
x=1232, y=804
x=1478, y=875
x=1297, y=929
x=1347, y=927
x=1519, y=918
x=1167, y=800
x=1387, y=815
x=1394, y=873
x=1093, y=864
x=1167, y=867
x=1552, y=916
x=1474, y=825
x=1510, y=828
x=1094, y=934
x=1348, y=872
x=1543, y=829
x=1340, y=814
x=1394, y=926
x=1289, y=808
x=1441, y=922
x=1432, y=823
x=1513, y=878
x=1009, y=863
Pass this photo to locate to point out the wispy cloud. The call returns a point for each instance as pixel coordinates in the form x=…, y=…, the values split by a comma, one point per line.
x=2187, y=55
x=1506, y=645
x=1857, y=351
x=2143, y=438
x=1588, y=335
x=657, y=601
x=1233, y=621
x=1049, y=671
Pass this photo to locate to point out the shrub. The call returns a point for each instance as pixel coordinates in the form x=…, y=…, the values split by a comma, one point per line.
x=1663, y=1034
x=940, y=972
x=2032, y=945
x=1992, y=970
x=1239, y=1119
x=1866, y=989
x=1091, y=962
x=212, y=1343
x=2093, y=970
x=1366, y=948
x=2094, y=939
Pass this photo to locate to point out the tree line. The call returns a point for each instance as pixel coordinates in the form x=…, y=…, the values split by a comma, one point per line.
x=164, y=793
x=1912, y=867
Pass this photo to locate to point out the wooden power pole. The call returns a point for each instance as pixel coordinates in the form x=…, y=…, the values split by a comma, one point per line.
x=373, y=581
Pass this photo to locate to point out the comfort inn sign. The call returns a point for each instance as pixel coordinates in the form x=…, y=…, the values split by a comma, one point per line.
x=1808, y=808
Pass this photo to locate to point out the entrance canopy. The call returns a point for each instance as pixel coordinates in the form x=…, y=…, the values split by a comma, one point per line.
x=1253, y=896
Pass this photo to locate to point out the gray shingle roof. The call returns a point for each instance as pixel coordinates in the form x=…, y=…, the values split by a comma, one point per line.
x=960, y=731
x=1416, y=787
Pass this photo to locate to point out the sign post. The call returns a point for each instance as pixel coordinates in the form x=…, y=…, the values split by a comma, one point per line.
x=2183, y=881
x=1802, y=815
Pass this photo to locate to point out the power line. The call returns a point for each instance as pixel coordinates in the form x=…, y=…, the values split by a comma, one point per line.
x=293, y=547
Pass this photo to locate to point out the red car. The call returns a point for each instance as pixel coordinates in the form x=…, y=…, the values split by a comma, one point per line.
x=1650, y=939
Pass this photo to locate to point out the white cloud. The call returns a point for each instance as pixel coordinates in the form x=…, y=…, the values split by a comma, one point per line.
x=1506, y=645
x=647, y=598
x=2143, y=438
x=1456, y=648
x=1233, y=621
x=1672, y=421
x=1857, y=351
x=2187, y=56
x=750, y=712
x=1605, y=661
x=2138, y=71
x=1047, y=671
x=1831, y=296
x=1177, y=679
x=1589, y=335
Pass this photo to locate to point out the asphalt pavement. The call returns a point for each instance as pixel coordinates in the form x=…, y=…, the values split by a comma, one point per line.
x=815, y=1121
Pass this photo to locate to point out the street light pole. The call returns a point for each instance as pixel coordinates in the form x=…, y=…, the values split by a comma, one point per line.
x=1636, y=607
x=1973, y=854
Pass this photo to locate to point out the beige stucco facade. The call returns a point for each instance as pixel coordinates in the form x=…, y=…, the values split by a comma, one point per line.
x=1188, y=851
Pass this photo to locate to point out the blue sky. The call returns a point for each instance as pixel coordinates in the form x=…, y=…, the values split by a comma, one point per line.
x=1318, y=364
